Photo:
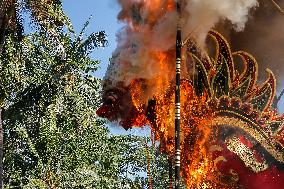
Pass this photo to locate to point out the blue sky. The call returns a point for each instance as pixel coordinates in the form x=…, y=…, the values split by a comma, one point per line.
x=104, y=17
x=103, y=14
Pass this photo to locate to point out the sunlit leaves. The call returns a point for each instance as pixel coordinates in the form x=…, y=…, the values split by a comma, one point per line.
x=53, y=138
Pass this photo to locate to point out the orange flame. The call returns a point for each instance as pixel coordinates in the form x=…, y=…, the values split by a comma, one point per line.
x=195, y=127
x=196, y=164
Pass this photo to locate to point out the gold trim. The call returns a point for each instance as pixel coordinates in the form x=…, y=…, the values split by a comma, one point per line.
x=258, y=134
x=247, y=155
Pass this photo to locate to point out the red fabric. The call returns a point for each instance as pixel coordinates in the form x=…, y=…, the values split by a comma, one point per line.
x=105, y=111
x=272, y=178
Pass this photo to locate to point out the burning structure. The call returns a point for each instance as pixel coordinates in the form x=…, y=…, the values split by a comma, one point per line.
x=231, y=137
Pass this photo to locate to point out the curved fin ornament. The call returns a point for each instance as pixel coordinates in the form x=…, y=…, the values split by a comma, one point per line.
x=223, y=51
x=250, y=70
x=221, y=81
x=240, y=104
x=263, y=97
x=200, y=80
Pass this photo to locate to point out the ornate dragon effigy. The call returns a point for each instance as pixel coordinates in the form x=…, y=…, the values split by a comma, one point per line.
x=246, y=133
x=231, y=135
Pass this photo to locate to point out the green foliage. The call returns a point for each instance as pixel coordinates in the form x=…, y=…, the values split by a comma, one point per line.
x=52, y=137
x=46, y=14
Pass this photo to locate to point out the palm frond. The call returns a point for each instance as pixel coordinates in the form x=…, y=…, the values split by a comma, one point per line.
x=95, y=40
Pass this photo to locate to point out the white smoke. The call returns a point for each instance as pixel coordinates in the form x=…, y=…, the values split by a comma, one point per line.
x=205, y=14
x=151, y=27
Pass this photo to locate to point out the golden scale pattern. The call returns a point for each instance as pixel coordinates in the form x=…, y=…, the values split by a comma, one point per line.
x=240, y=104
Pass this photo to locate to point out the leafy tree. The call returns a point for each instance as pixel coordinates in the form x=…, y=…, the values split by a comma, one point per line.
x=50, y=100
x=47, y=14
x=52, y=137
x=44, y=13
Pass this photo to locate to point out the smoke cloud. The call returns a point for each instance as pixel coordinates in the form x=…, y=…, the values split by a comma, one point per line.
x=145, y=45
x=202, y=15
x=263, y=38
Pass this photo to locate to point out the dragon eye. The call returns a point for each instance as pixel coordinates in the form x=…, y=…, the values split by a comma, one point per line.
x=109, y=101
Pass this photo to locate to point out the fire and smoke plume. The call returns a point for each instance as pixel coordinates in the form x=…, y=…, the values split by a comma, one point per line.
x=146, y=43
x=149, y=34
x=143, y=68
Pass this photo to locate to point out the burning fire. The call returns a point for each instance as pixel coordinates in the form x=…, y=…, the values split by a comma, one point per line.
x=195, y=132
x=139, y=90
x=195, y=127
x=144, y=61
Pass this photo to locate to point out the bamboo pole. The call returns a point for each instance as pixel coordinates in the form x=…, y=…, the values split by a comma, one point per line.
x=177, y=97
